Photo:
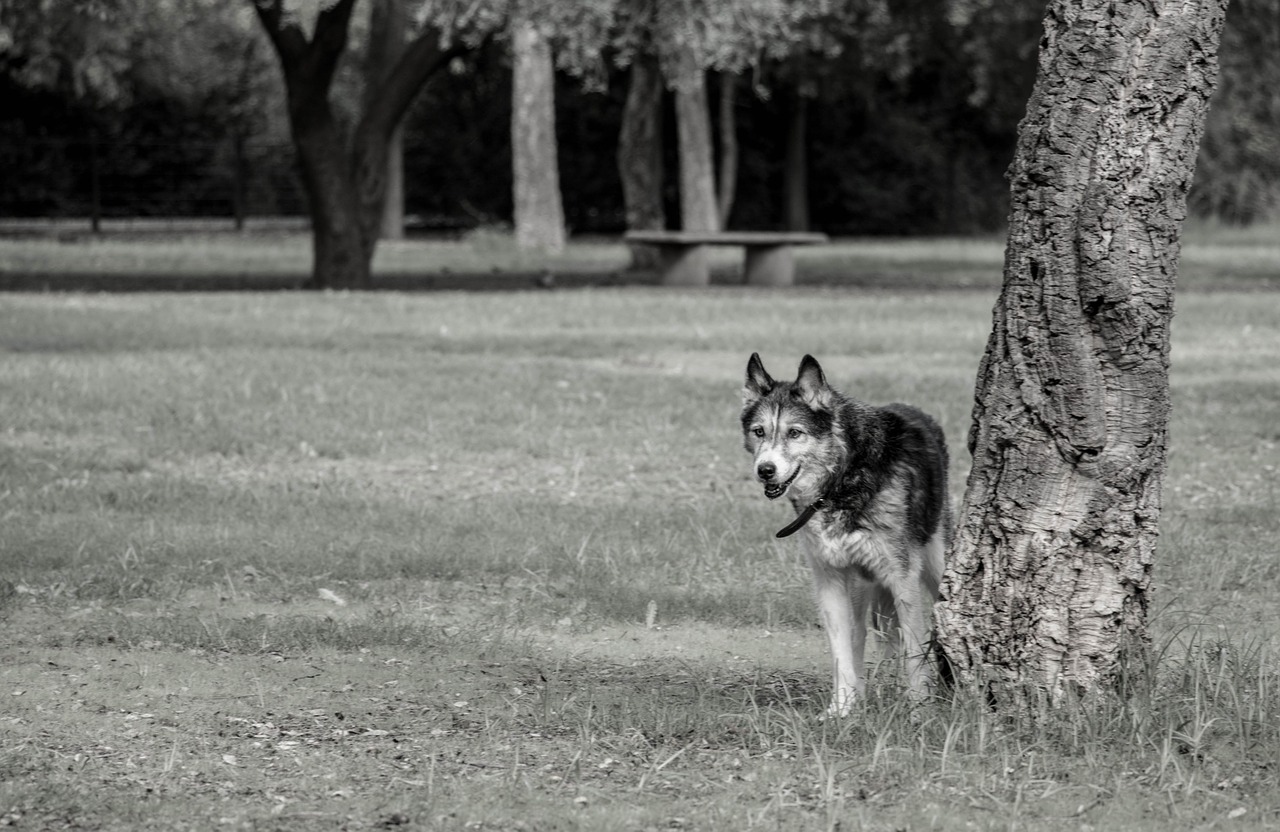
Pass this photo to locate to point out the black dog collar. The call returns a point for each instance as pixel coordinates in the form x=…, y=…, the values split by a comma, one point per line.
x=802, y=518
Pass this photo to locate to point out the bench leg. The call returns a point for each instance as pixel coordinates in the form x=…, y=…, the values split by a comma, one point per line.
x=769, y=266
x=684, y=266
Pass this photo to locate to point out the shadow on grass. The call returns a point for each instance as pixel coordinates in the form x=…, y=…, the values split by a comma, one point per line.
x=447, y=281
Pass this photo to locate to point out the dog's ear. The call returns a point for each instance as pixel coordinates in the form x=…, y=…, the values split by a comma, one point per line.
x=759, y=382
x=811, y=385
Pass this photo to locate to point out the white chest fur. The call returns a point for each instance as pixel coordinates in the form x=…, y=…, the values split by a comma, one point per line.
x=876, y=545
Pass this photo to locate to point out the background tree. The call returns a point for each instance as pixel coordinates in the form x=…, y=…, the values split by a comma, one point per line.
x=1238, y=175
x=698, y=207
x=344, y=175
x=688, y=38
x=853, y=27
x=538, y=207
x=678, y=37
x=388, y=25
x=78, y=47
x=691, y=37
x=640, y=156
x=909, y=129
x=727, y=124
x=796, y=160
x=1047, y=587
x=102, y=99
x=576, y=34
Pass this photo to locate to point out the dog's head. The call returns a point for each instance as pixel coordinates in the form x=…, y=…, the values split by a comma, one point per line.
x=787, y=427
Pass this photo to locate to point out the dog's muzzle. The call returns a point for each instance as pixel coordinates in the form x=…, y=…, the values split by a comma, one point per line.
x=774, y=490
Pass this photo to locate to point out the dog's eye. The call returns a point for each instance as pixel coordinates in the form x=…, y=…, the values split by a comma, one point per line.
x=757, y=432
x=795, y=433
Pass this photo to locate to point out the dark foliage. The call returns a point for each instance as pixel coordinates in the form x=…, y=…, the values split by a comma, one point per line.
x=917, y=142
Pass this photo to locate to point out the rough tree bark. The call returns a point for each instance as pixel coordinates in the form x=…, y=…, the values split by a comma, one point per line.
x=640, y=156
x=345, y=188
x=1047, y=588
x=539, y=210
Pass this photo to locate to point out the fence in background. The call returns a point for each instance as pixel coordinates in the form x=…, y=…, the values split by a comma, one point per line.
x=73, y=181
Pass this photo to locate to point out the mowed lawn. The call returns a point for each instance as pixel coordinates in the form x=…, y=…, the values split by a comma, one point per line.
x=495, y=561
x=69, y=257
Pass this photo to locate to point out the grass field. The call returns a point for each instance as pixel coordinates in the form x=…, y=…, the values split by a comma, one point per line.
x=494, y=561
x=1214, y=257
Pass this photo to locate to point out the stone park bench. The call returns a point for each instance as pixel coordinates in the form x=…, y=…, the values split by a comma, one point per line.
x=768, y=262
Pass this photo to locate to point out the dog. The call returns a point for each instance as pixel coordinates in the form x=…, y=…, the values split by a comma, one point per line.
x=869, y=487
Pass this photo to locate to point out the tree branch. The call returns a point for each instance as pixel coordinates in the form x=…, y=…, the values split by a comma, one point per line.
x=384, y=108
x=330, y=38
x=315, y=60
x=288, y=40
x=422, y=58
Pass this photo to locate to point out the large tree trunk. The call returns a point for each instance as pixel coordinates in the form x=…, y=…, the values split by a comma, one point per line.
x=697, y=165
x=796, y=177
x=1047, y=589
x=728, y=182
x=342, y=251
x=640, y=157
x=539, y=211
x=341, y=255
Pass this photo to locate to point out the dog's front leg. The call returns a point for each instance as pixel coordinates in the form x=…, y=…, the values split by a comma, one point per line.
x=844, y=620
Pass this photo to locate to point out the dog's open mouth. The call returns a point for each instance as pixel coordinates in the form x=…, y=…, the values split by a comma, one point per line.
x=774, y=490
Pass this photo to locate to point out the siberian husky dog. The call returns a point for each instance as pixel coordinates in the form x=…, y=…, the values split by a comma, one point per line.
x=869, y=487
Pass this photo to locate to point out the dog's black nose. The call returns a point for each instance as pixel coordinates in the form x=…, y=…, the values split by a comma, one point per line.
x=766, y=470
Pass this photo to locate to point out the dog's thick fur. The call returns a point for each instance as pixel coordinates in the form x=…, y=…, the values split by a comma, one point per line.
x=876, y=541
